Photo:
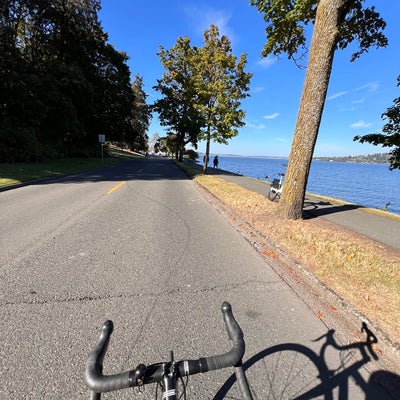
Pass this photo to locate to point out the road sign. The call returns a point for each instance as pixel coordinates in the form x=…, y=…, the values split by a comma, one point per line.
x=102, y=138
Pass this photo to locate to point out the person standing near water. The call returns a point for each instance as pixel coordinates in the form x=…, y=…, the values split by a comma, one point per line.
x=215, y=162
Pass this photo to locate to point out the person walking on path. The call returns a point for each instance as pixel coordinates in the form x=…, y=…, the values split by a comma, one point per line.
x=215, y=162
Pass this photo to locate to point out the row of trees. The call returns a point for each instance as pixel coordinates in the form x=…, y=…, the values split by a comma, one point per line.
x=62, y=84
x=201, y=92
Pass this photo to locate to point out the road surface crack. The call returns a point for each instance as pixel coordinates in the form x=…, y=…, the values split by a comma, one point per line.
x=229, y=287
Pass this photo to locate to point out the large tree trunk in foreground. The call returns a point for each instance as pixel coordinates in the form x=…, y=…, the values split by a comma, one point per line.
x=329, y=16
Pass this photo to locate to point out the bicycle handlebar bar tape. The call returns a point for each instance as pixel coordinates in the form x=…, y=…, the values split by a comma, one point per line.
x=235, y=355
x=94, y=377
x=233, y=328
x=99, y=383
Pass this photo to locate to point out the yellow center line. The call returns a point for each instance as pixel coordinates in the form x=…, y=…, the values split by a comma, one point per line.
x=116, y=187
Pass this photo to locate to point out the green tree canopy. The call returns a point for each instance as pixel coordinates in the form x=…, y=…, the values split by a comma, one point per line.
x=221, y=83
x=391, y=133
x=141, y=115
x=166, y=144
x=201, y=91
x=61, y=83
x=176, y=106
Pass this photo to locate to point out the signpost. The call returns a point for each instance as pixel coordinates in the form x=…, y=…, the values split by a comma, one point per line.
x=102, y=139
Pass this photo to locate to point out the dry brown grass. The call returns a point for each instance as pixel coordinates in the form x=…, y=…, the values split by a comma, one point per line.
x=361, y=271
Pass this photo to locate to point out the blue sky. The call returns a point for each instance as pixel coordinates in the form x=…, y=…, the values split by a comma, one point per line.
x=359, y=92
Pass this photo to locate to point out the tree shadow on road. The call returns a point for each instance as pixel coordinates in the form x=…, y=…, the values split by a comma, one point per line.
x=138, y=169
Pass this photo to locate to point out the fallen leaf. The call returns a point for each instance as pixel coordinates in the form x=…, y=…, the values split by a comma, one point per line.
x=269, y=253
x=376, y=349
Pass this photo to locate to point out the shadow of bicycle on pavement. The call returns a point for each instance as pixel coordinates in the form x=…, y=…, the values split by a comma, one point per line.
x=334, y=371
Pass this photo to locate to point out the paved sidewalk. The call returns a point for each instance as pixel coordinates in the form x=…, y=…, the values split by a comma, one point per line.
x=385, y=230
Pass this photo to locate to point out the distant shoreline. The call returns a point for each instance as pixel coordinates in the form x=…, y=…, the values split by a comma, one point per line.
x=378, y=158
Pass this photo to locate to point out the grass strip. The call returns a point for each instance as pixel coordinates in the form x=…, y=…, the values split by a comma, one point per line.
x=361, y=271
x=11, y=174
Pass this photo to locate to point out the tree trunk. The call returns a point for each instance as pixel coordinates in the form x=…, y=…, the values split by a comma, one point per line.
x=207, y=155
x=181, y=152
x=328, y=19
x=176, y=149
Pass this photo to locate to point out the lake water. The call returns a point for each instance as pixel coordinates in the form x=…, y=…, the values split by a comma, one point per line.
x=369, y=185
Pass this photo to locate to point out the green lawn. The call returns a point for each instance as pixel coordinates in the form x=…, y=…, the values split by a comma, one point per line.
x=22, y=172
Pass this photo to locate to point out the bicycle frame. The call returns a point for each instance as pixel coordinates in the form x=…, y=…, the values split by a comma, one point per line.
x=167, y=373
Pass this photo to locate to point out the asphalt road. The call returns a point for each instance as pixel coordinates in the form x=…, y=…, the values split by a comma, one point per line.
x=141, y=245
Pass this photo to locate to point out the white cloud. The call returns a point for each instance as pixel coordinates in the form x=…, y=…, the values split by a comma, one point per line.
x=370, y=87
x=360, y=124
x=258, y=89
x=336, y=95
x=259, y=126
x=204, y=16
x=282, y=139
x=266, y=62
x=272, y=116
